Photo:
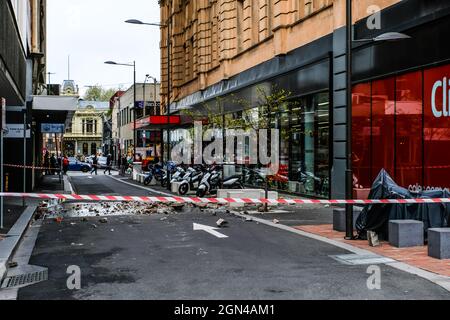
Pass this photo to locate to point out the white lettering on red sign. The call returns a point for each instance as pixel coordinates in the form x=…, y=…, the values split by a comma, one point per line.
x=445, y=108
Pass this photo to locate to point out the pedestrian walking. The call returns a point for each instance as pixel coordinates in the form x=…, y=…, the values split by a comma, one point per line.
x=66, y=163
x=108, y=164
x=47, y=163
x=94, y=165
x=124, y=163
x=52, y=164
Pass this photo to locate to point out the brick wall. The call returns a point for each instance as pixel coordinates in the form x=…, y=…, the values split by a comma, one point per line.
x=213, y=40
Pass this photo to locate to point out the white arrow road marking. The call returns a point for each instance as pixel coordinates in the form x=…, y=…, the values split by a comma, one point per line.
x=210, y=230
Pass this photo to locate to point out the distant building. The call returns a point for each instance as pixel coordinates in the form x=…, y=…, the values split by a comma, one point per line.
x=69, y=88
x=84, y=137
x=122, y=117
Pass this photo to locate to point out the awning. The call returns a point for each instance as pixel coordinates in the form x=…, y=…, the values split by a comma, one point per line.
x=159, y=122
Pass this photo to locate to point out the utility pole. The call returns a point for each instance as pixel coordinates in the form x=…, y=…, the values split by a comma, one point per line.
x=349, y=170
x=24, y=155
x=2, y=128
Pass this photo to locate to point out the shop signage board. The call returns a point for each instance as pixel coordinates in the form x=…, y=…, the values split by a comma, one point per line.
x=15, y=131
x=52, y=128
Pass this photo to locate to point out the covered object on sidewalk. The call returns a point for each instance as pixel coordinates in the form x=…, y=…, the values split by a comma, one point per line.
x=376, y=217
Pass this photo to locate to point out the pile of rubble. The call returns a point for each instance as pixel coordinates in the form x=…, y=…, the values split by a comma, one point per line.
x=101, y=209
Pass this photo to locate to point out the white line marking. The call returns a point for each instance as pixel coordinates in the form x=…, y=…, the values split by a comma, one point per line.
x=210, y=230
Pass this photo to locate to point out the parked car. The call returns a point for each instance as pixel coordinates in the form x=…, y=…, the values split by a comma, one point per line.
x=77, y=165
x=89, y=159
x=102, y=162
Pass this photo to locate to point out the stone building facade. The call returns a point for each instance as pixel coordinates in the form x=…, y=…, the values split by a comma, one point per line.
x=229, y=48
x=85, y=135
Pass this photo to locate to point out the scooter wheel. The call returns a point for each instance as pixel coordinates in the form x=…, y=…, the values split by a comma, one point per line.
x=147, y=181
x=201, y=193
x=183, y=189
x=164, y=183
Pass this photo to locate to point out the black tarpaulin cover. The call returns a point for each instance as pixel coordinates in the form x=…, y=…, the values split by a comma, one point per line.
x=376, y=217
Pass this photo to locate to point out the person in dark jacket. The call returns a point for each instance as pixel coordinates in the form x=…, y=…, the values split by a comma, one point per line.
x=108, y=164
x=52, y=164
x=47, y=163
x=94, y=165
x=124, y=164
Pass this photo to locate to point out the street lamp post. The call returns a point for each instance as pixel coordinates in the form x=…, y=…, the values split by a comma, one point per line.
x=134, y=100
x=147, y=76
x=389, y=36
x=135, y=21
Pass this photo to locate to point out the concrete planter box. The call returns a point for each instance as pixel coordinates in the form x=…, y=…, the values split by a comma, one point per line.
x=339, y=218
x=245, y=193
x=406, y=233
x=439, y=243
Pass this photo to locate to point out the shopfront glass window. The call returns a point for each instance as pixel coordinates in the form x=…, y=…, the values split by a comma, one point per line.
x=322, y=144
x=383, y=131
x=437, y=127
x=409, y=128
x=361, y=135
x=309, y=146
x=408, y=135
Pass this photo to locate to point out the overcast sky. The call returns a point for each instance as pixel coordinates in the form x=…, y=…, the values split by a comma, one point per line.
x=93, y=31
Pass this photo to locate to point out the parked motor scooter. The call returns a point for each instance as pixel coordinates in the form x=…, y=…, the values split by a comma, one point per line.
x=192, y=177
x=254, y=177
x=212, y=181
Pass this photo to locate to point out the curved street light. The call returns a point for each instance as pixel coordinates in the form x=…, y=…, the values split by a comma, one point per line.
x=134, y=99
x=139, y=22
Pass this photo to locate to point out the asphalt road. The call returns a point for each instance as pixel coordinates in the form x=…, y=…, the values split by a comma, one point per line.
x=145, y=257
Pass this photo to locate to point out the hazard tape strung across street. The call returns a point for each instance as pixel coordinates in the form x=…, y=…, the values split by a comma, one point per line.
x=214, y=200
x=28, y=167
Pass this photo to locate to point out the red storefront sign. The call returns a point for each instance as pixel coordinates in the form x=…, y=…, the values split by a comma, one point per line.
x=158, y=120
x=402, y=124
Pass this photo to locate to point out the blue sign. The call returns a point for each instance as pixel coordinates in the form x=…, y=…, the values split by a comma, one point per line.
x=52, y=128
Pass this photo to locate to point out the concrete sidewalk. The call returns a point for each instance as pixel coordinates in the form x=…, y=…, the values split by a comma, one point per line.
x=18, y=217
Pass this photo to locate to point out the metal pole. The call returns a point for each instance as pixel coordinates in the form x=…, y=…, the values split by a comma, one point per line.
x=24, y=155
x=143, y=94
x=154, y=98
x=2, y=175
x=134, y=112
x=349, y=171
x=168, y=100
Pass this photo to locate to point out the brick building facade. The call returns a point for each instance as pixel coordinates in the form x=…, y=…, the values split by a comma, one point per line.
x=228, y=48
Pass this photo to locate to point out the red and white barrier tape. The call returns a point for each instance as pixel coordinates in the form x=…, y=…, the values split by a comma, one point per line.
x=27, y=167
x=215, y=200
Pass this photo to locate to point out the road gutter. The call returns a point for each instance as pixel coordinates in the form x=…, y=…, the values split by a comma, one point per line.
x=439, y=280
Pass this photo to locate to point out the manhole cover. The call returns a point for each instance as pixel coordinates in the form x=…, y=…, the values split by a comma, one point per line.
x=361, y=259
x=26, y=279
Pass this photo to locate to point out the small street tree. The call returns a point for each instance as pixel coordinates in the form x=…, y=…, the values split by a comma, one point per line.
x=258, y=114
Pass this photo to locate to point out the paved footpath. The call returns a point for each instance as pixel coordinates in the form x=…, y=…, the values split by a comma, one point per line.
x=162, y=257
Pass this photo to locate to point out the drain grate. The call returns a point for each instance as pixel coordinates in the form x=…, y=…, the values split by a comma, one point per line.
x=26, y=279
x=360, y=259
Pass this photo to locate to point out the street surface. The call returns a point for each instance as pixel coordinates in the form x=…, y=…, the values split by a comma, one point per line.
x=162, y=257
